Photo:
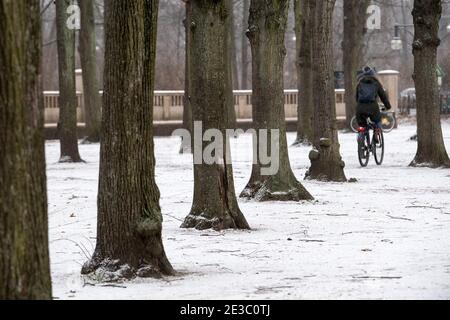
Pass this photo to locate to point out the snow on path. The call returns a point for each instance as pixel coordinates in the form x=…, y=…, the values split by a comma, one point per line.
x=386, y=236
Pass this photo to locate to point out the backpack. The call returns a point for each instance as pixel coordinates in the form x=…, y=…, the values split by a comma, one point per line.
x=367, y=92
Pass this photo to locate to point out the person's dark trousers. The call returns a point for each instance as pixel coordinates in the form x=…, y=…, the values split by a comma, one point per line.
x=366, y=110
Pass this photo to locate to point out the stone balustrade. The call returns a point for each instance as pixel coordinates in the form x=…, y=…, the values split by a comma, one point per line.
x=168, y=105
x=51, y=105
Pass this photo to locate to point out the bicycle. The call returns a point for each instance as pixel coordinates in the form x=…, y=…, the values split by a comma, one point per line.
x=387, y=122
x=366, y=145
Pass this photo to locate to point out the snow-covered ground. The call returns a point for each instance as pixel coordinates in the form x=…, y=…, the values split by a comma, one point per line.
x=386, y=236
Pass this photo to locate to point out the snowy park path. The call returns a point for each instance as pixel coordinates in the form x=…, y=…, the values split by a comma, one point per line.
x=386, y=236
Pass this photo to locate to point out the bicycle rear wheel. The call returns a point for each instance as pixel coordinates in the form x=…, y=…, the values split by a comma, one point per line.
x=378, y=146
x=354, y=124
x=363, y=150
x=387, y=122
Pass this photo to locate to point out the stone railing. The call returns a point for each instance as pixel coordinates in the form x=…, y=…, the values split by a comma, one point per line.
x=51, y=104
x=168, y=105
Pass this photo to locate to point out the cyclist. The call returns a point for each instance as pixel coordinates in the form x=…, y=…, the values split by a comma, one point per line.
x=368, y=90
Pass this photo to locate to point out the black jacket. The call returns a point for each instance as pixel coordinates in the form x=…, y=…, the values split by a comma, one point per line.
x=381, y=93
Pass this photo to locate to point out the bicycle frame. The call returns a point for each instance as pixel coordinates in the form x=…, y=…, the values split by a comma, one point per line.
x=384, y=115
x=368, y=145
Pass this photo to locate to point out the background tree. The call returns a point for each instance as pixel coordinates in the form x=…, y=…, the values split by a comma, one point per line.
x=67, y=126
x=87, y=50
x=267, y=26
x=326, y=161
x=232, y=42
x=187, y=111
x=244, y=46
x=233, y=74
x=129, y=216
x=430, y=143
x=355, y=15
x=215, y=204
x=303, y=24
x=377, y=49
x=169, y=69
x=24, y=254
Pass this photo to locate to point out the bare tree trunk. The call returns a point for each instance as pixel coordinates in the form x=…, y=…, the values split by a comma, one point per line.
x=179, y=34
x=49, y=53
x=129, y=216
x=187, y=110
x=244, y=49
x=215, y=204
x=234, y=65
x=88, y=59
x=67, y=126
x=305, y=109
x=405, y=67
x=430, y=143
x=24, y=253
x=355, y=14
x=233, y=72
x=267, y=28
x=326, y=162
x=99, y=12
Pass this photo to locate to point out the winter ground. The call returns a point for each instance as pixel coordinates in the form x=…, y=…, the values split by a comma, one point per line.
x=385, y=237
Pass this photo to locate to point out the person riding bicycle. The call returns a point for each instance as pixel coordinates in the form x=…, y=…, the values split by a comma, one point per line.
x=368, y=90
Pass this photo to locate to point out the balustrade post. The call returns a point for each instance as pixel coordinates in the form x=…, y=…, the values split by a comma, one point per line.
x=242, y=104
x=166, y=106
x=81, y=112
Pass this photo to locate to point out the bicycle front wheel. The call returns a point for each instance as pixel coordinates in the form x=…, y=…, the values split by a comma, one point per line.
x=387, y=122
x=378, y=147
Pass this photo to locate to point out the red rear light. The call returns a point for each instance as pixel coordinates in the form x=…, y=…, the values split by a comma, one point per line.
x=361, y=129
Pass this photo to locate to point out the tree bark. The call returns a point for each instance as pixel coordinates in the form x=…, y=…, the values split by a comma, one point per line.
x=187, y=111
x=431, y=150
x=267, y=27
x=49, y=54
x=355, y=14
x=24, y=252
x=88, y=59
x=233, y=72
x=129, y=216
x=234, y=65
x=244, y=49
x=67, y=126
x=405, y=66
x=326, y=161
x=215, y=204
x=305, y=109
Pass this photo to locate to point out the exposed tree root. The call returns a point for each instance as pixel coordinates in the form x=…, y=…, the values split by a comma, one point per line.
x=326, y=163
x=144, y=257
x=203, y=221
x=68, y=159
x=300, y=142
x=90, y=140
x=434, y=164
x=109, y=270
x=271, y=190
